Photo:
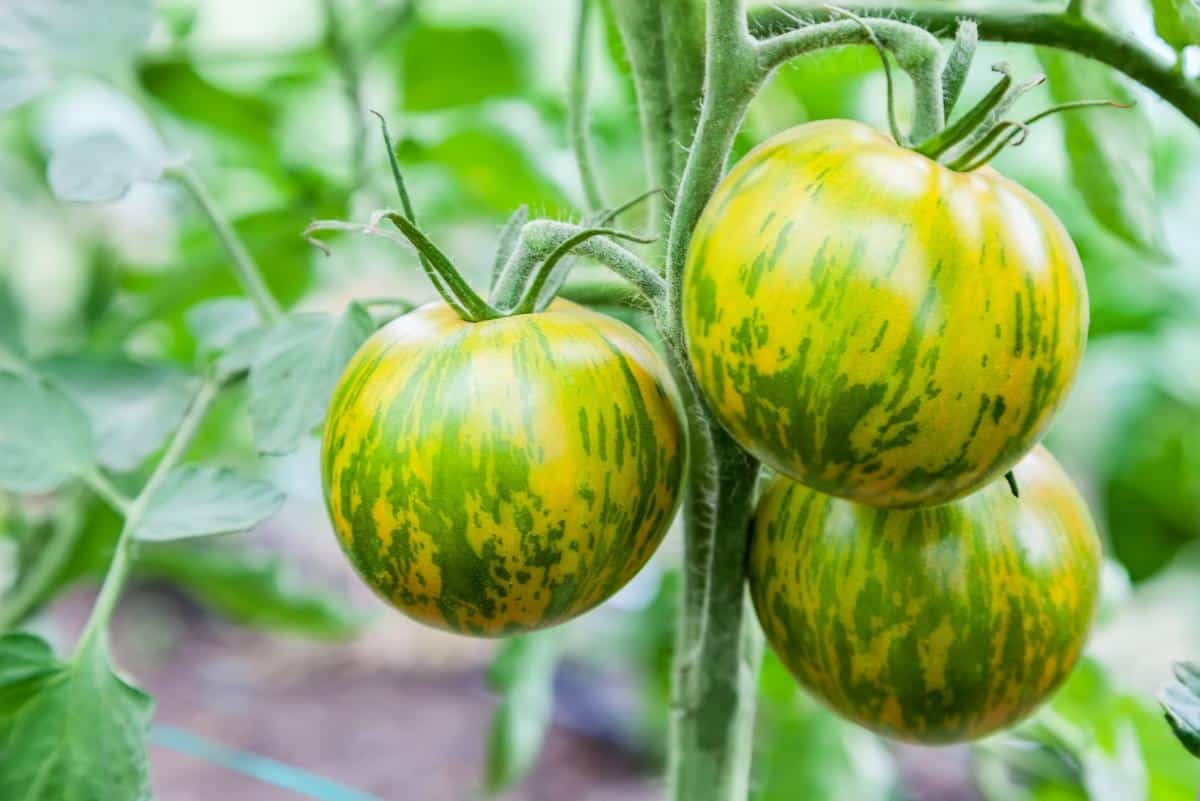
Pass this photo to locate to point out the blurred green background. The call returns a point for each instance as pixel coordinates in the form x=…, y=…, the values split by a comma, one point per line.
x=254, y=95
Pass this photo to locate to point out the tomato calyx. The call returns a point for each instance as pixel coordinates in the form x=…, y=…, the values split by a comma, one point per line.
x=524, y=276
x=982, y=132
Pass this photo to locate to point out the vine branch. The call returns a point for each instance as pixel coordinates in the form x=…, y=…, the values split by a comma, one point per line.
x=1061, y=30
x=118, y=569
x=244, y=266
x=577, y=119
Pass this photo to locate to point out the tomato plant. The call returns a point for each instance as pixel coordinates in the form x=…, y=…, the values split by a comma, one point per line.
x=881, y=317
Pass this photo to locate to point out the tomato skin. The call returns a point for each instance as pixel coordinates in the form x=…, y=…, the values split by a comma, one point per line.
x=876, y=325
x=497, y=477
x=937, y=624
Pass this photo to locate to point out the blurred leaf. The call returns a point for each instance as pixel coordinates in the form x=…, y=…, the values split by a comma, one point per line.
x=295, y=370
x=1103, y=727
x=21, y=79
x=44, y=436
x=101, y=168
x=70, y=730
x=197, y=501
x=1181, y=703
x=810, y=753
x=218, y=323
x=523, y=674
x=133, y=407
x=1152, y=490
x=251, y=588
x=1177, y=22
x=494, y=170
x=12, y=343
x=1119, y=777
x=1110, y=163
x=181, y=89
x=40, y=39
x=446, y=67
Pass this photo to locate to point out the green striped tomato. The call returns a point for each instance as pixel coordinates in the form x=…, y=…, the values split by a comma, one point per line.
x=876, y=325
x=936, y=624
x=496, y=477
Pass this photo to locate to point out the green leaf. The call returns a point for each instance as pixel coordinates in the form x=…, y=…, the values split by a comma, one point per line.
x=70, y=731
x=196, y=501
x=244, y=117
x=50, y=37
x=44, y=435
x=252, y=588
x=1181, y=703
x=1177, y=22
x=523, y=674
x=445, y=67
x=218, y=323
x=295, y=369
x=1110, y=163
x=101, y=168
x=133, y=407
x=12, y=342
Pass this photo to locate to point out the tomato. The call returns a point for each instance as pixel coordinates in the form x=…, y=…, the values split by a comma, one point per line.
x=935, y=624
x=496, y=477
x=876, y=325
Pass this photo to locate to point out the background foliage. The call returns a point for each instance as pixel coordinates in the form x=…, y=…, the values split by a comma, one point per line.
x=118, y=304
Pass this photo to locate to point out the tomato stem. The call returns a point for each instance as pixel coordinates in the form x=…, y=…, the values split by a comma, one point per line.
x=1068, y=32
x=446, y=278
x=531, y=296
x=952, y=134
x=577, y=121
x=958, y=64
x=510, y=234
x=134, y=511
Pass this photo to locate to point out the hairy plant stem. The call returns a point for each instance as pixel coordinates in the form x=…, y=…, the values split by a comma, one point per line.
x=118, y=568
x=665, y=43
x=577, y=119
x=244, y=267
x=1062, y=30
x=719, y=646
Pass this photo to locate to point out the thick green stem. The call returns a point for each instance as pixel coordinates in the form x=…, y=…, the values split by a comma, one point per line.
x=577, y=119
x=118, y=569
x=244, y=267
x=718, y=646
x=917, y=52
x=641, y=28
x=1060, y=30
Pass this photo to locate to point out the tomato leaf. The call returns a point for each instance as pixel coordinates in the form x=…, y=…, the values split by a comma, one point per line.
x=133, y=407
x=216, y=324
x=69, y=730
x=252, y=588
x=1177, y=22
x=197, y=501
x=12, y=342
x=1180, y=701
x=296, y=367
x=45, y=437
x=1110, y=163
x=101, y=167
x=523, y=674
x=41, y=40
